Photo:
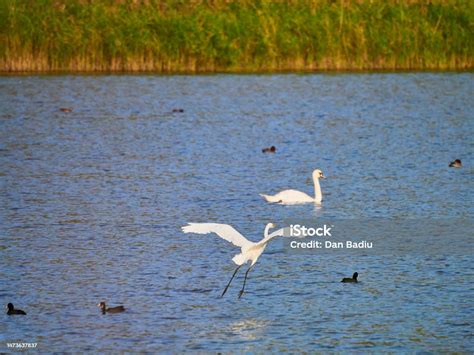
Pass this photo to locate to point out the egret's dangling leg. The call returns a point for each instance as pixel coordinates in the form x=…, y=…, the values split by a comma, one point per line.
x=245, y=279
x=225, y=290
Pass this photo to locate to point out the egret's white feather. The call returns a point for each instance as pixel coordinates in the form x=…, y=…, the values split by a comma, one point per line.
x=224, y=231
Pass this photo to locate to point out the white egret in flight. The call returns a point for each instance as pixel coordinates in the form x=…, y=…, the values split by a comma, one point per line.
x=250, y=251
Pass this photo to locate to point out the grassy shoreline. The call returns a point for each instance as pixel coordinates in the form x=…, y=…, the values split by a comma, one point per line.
x=236, y=37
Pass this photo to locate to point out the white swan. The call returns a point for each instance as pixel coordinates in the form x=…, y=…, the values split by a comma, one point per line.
x=250, y=251
x=291, y=197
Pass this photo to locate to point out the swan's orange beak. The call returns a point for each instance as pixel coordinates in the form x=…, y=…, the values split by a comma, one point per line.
x=322, y=176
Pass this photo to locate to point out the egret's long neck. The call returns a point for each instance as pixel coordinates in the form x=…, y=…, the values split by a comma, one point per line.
x=265, y=233
x=318, y=195
x=267, y=229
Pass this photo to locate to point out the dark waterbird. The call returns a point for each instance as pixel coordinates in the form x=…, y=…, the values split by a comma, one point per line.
x=455, y=164
x=65, y=109
x=106, y=309
x=12, y=310
x=272, y=149
x=353, y=279
x=176, y=110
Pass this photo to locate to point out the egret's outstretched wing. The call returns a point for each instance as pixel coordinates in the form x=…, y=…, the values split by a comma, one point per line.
x=222, y=230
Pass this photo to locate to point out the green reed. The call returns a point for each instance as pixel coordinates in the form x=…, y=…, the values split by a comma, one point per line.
x=218, y=35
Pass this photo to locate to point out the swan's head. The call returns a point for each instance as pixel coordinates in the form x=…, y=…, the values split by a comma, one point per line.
x=318, y=174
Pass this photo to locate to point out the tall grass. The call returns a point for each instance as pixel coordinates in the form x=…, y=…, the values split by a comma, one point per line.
x=245, y=35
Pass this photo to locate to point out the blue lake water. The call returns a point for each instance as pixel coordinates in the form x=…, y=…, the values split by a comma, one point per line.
x=92, y=202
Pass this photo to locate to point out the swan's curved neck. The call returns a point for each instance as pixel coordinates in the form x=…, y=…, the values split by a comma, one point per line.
x=318, y=195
